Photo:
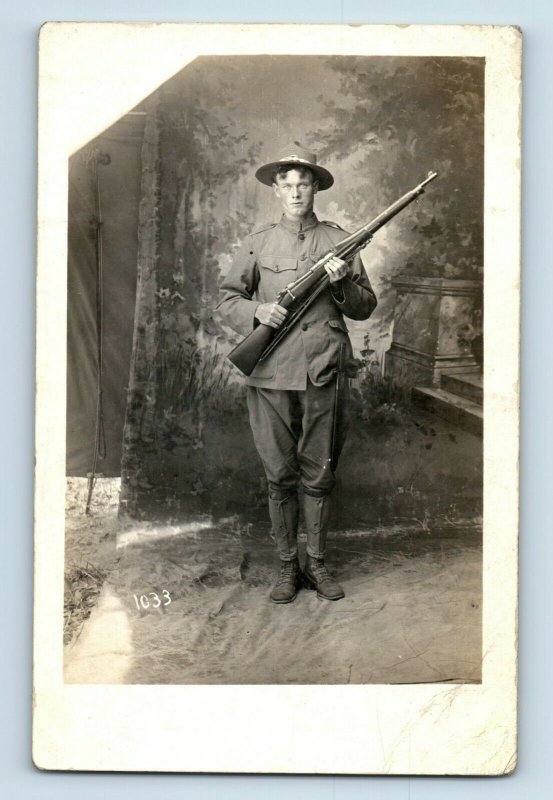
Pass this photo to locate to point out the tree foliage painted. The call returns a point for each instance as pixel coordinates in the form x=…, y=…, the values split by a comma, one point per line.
x=203, y=154
x=397, y=118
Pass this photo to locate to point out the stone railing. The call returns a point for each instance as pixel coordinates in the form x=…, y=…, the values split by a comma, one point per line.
x=433, y=319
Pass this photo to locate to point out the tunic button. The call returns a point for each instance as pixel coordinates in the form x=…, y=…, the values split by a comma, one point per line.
x=305, y=326
x=276, y=268
x=301, y=236
x=303, y=257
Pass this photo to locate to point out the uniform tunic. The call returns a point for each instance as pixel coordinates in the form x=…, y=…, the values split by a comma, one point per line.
x=290, y=419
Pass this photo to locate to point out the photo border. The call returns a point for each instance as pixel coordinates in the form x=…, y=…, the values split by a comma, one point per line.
x=429, y=729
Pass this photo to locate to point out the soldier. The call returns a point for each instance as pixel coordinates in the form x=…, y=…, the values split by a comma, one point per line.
x=291, y=394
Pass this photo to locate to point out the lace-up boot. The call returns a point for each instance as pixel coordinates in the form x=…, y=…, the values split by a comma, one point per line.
x=284, y=514
x=288, y=582
x=316, y=575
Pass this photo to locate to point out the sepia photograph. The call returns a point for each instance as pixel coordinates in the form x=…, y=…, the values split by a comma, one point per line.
x=274, y=377
x=188, y=480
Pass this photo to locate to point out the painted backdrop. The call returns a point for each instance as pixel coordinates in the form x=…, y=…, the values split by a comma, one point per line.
x=379, y=125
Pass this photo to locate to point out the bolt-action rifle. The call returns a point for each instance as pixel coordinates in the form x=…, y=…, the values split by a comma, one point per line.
x=298, y=296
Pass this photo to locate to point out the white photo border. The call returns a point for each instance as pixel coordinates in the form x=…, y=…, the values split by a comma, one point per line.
x=91, y=74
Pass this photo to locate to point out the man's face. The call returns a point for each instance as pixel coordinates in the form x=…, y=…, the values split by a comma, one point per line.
x=296, y=191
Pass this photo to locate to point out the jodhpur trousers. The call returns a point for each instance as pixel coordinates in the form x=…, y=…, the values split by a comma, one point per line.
x=292, y=431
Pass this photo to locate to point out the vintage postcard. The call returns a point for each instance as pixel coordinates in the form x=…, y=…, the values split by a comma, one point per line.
x=277, y=398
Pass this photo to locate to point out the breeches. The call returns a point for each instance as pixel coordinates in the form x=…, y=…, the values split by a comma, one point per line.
x=292, y=431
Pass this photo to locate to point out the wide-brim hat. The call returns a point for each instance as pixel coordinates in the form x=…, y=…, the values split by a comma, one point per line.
x=295, y=155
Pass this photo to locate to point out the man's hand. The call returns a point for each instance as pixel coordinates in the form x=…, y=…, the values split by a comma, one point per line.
x=336, y=269
x=271, y=314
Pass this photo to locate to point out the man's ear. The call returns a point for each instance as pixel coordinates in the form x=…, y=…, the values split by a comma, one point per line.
x=315, y=187
x=276, y=190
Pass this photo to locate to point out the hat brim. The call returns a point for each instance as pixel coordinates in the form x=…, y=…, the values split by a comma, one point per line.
x=322, y=175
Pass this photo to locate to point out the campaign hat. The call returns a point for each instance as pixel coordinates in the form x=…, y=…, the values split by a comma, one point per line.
x=295, y=155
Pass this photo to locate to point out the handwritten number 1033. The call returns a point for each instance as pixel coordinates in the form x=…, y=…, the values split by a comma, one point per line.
x=152, y=600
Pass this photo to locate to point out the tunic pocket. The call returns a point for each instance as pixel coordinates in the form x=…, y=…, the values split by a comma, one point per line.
x=275, y=273
x=267, y=368
x=279, y=263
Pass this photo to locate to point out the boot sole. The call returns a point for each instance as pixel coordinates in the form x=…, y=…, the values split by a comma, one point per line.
x=283, y=602
x=290, y=600
x=309, y=584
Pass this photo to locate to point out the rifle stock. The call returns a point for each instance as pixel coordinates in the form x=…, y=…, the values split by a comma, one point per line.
x=300, y=294
x=246, y=355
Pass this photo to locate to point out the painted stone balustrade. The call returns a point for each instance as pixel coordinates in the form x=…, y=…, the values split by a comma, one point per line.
x=434, y=327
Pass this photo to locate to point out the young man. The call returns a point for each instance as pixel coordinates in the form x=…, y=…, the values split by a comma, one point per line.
x=292, y=393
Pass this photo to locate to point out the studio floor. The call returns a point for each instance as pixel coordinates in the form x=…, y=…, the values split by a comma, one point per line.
x=188, y=603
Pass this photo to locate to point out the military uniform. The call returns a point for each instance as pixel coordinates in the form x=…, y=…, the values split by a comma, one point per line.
x=291, y=393
x=292, y=432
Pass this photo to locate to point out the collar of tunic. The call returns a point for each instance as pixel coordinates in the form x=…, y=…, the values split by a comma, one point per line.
x=299, y=225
